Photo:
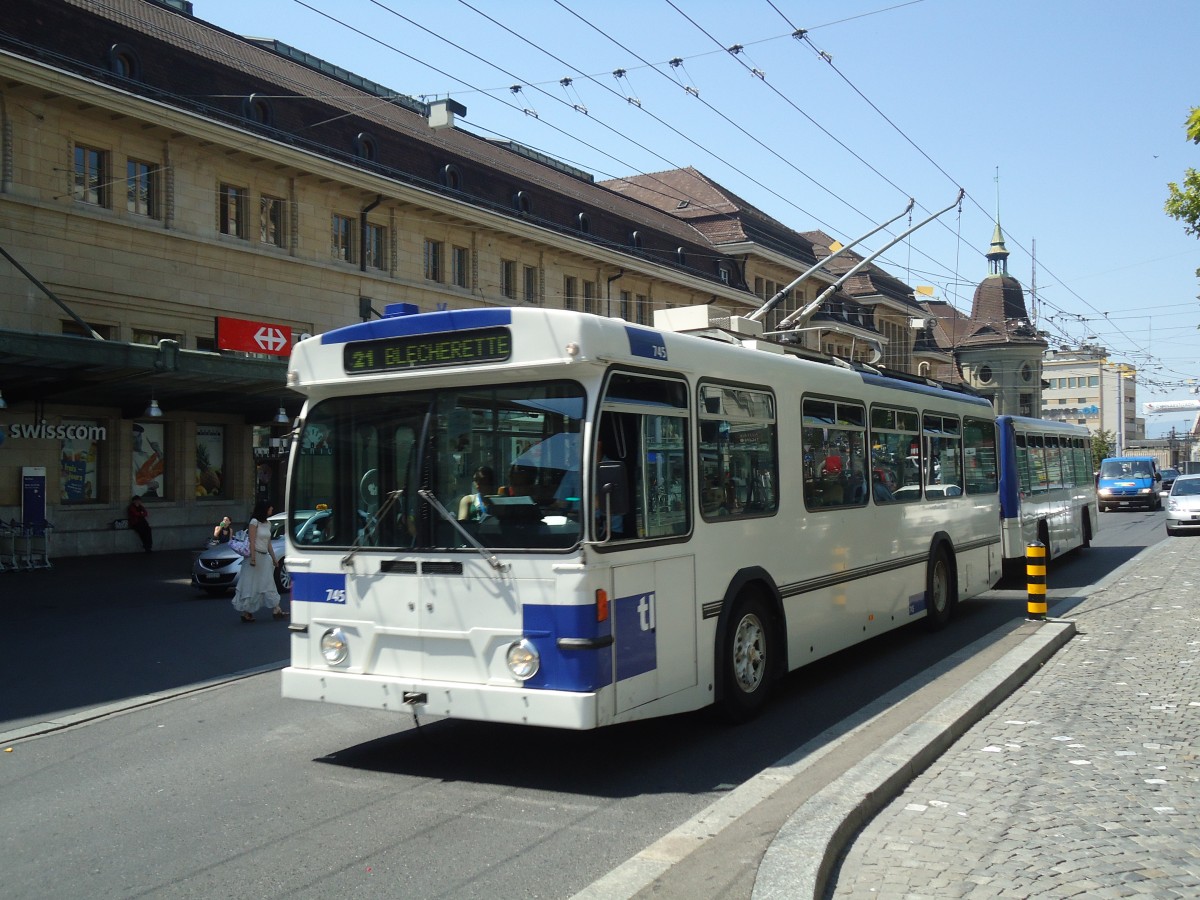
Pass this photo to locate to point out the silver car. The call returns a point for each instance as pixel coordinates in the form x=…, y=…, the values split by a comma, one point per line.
x=1183, y=505
x=216, y=569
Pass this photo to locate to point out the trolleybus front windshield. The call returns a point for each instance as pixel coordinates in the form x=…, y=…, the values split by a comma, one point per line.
x=503, y=462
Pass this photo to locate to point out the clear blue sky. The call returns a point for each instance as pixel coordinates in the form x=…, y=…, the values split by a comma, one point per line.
x=1078, y=104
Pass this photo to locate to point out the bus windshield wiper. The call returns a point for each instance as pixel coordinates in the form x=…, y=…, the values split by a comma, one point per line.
x=371, y=525
x=487, y=554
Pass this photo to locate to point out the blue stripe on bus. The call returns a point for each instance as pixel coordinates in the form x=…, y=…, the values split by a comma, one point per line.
x=319, y=587
x=565, y=669
x=440, y=322
x=647, y=343
x=1010, y=483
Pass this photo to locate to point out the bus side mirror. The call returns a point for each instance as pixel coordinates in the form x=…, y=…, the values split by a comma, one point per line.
x=613, y=482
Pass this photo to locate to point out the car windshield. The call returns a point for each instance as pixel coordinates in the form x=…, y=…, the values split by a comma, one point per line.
x=1123, y=468
x=393, y=470
x=1186, y=487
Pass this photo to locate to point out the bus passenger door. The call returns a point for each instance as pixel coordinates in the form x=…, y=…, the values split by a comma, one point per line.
x=654, y=627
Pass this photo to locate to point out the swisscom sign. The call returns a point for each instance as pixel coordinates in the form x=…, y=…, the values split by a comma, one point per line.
x=253, y=337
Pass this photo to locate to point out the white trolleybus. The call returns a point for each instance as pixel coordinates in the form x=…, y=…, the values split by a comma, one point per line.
x=1047, y=490
x=554, y=518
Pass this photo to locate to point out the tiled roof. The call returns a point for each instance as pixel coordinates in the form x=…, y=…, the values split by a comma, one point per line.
x=722, y=216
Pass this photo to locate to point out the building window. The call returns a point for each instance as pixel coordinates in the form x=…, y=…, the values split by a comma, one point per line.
x=531, y=284
x=460, y=267
x=643, y=310
x=257, y=108
x=70, y=326
x=508, y=279
x=585, y=224
x=376, y=244
x=433, y=260
x=123, y=60
x=589, y=296
x=270, y=220
x=91, y=182
x=626, y=300
x=985, y=374
x=365, y=147
x=451, y=177
x=141, y=188
x=233, y=210
x=341, y=242
x=570, y=292
x=141, y=336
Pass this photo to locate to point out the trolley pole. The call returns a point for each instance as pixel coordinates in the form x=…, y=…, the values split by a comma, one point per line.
x=1035, y=576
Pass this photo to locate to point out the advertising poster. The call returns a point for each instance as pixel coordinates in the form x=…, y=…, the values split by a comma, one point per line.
x=210, y=457
x=149, y=473
x=77, y=479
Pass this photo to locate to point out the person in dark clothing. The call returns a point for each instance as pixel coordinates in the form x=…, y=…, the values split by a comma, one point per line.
x=139, y=521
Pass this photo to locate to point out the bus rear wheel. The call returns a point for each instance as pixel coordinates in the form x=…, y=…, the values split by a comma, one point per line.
x=748, y=652
x=939, y=590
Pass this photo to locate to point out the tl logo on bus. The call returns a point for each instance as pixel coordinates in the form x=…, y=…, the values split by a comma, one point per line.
x=633, y=622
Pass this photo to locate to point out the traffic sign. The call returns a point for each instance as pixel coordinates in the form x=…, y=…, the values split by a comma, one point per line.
x=253, y=337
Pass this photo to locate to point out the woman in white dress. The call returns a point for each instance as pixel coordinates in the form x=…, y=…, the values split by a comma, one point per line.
x=256, y=581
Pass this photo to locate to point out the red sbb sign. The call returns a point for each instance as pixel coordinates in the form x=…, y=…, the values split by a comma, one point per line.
x=253, y=337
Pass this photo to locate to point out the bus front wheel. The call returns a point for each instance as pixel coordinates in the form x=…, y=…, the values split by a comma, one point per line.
x=749, y=645
x=939, y=589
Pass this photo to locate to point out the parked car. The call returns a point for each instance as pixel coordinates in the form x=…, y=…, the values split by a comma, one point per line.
x=216, y=569
x=1183, y=505
x=1168, y=479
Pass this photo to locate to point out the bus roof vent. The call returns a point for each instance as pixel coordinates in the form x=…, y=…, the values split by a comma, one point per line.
x=699, y=319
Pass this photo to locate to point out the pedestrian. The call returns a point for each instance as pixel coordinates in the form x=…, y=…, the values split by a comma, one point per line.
x=139, y=521
x=256, y=580
x=223, y=531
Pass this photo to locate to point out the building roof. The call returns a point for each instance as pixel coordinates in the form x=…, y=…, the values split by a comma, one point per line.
x=716, y=212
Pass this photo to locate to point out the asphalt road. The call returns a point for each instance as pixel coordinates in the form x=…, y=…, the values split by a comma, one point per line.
x=232, y=791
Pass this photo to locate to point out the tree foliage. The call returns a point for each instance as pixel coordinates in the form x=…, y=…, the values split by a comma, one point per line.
x=1103, y=444
x=1183, y=203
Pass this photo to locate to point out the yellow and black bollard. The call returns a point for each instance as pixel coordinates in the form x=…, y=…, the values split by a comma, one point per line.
x=1035, y=575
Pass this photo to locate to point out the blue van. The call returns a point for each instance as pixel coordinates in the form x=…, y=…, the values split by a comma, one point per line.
x=1129, y=481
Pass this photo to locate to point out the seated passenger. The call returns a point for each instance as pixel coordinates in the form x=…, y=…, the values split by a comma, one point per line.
x=474, y=506
x=520, y=482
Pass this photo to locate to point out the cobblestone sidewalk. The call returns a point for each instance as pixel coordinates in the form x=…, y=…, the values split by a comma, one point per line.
x=1084, y=783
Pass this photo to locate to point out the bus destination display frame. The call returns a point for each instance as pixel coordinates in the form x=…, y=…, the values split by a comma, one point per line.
x=421, y=351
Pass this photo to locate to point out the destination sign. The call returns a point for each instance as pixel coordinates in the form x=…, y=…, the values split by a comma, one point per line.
x=419, y=351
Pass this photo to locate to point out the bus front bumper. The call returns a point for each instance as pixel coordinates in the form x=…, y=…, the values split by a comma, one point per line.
x=483, y=703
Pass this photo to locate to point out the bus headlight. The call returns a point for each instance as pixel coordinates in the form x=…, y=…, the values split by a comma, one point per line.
x=523, y=660
x=334, y=647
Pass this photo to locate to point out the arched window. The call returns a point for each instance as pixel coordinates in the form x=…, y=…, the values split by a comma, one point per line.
x=365, y=147
x=257, y=108
x=451, y=177
x=585, y=224
x=681, y=256
x=520, y=202
x=635, y=240
x=123, y=60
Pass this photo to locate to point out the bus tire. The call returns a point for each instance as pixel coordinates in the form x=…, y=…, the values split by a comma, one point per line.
x=939, y=589
x=1087, y=527
x=748, y=650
